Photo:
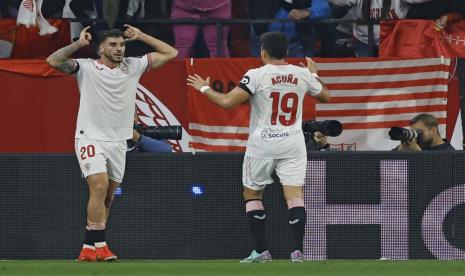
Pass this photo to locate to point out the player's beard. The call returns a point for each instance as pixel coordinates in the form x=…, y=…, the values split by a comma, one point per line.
x=114, y=58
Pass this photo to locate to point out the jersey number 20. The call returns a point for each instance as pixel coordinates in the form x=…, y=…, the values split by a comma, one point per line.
x=90, y=149
x=284, y=111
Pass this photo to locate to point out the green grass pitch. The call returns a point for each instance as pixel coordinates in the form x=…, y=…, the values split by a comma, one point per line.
x=233, y=267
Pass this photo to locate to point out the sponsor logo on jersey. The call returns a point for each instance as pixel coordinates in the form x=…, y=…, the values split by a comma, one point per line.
x=269, y=133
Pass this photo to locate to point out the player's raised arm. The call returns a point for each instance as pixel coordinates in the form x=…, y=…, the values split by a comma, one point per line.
x=60, y=58
x=227, y=101
x=164, y=52
x=324, y=96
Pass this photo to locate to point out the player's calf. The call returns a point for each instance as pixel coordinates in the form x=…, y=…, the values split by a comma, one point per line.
x=297, y=220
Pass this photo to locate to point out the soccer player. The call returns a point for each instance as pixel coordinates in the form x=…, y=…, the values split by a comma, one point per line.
x=276, y=142
x=105, y=120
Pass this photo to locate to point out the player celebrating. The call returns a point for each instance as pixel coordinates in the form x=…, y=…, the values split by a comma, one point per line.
x=108, y=91
x=276, y=142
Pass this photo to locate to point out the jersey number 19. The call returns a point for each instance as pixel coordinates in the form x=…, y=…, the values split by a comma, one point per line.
x=286, y=112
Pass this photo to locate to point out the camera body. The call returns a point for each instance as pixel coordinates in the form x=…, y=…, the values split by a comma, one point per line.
x=327, y=128
x=405, y=134
x=160, y=132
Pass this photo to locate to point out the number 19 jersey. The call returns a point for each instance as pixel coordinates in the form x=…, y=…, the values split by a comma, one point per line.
x=276, y=96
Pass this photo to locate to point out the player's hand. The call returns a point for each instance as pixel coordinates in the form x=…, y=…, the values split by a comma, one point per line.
x=197, y=82
x=311, y=65
x=85, y=38
x=298, y=14
x=320, y=139
x=132, y=33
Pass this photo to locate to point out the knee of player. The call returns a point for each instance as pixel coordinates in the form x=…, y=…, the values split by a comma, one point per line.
x=109, y=200
x=98, y=192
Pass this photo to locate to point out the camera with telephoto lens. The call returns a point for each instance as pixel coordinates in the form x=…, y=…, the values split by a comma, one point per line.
x=327, y=128
x=405, y=134
x=160, y=132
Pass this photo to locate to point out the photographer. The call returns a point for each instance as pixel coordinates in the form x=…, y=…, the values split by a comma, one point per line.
x=317, y=142
x=316, y=132
x=142, y=143
x=428, y=137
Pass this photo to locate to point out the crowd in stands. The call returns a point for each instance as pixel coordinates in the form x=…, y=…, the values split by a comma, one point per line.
x=307, y=36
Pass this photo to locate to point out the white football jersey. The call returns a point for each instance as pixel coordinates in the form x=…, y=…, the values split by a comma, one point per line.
x=276, y=96
x=107, y=104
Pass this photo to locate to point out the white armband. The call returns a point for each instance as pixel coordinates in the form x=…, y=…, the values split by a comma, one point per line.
x=203, y=89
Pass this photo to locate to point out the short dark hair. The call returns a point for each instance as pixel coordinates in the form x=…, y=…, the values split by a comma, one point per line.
x=427, y=119
x=275, y=44
x=110, y=33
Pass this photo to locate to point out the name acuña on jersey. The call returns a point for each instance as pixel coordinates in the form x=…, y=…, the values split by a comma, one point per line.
x=269, y=133
x=283, y=78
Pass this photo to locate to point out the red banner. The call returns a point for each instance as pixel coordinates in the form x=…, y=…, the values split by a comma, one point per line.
x=28, y=44
x=39, y=108
x=419, y=39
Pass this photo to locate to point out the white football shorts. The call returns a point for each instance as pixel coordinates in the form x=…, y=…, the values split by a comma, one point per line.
x=96, y=156
x=257, y=172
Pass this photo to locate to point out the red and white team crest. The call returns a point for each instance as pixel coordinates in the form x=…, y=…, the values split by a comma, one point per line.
x=152, y=112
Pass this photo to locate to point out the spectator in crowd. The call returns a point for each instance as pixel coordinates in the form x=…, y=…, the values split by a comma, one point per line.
x=262, y=9
x=304, y=12
x=373, y=10
x=185, y=35
x=136, y=8
x=4, y=12
x=431, y=138
x=142, y=143
x=50, y=8
x=9, y=8
x=436, y=9
x=343, y=34
x=301, y=36
x=86, y=9
x=53, y=8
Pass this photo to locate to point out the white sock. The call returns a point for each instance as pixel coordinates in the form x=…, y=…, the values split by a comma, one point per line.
x=88, y=246
x=100, y=244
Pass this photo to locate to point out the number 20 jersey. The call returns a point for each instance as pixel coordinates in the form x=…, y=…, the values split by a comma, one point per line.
x=276, y=96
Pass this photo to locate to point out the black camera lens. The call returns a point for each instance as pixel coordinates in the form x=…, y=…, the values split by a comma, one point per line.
x=404, y=134
x=328, y=128
x=163, y=132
